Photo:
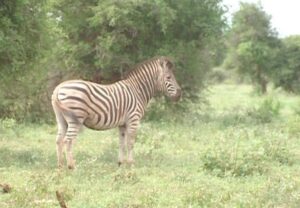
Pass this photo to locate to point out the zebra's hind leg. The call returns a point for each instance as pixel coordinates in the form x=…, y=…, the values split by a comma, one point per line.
x=60, y=146
x=62, y=128
x=122, y=145
x=71, y=135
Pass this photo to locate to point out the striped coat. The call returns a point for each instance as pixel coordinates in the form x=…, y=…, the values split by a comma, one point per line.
x=100, y=107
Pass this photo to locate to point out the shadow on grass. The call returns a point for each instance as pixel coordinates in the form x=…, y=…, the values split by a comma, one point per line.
x=109, y=155
x=237, y=117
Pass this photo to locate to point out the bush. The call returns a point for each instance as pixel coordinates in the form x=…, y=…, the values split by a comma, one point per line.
x=266, y=111
x=99, y=41
x=287, y=62
x=219, y=75
x=293, y=125
x=229, y=161
x=228, y=157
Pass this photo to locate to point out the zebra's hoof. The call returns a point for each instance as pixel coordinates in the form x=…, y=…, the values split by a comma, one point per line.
x=71, y=167
x=120, y=163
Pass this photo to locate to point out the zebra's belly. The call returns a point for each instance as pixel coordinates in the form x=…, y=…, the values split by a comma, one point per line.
x=100, y=128
x=98, y=123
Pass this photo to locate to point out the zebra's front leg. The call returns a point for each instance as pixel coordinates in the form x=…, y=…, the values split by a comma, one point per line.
x=130, y=144
x=122, y=145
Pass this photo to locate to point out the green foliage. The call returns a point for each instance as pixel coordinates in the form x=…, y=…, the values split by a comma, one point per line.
x=21, y=37
x=222, y=162
x=263, y=112
x=7, y=123
x=25, y=37
x=45, y=42
x=218, y=75
x=253, y=45
x=287, y=74
x=111, y=36
x=266, y=111
x=292, y=125
x=231, y=158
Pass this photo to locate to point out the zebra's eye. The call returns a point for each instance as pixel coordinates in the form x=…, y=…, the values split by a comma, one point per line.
x=168, y=77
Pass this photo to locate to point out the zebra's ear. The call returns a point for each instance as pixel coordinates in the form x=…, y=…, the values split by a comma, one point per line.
x=169, y=64
x=166, y=63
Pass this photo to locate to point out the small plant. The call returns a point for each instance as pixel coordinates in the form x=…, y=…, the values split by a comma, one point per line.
x=6, y=187
x=7, y=123
x=293, y=125
x=233, y=158
x=297, y=109
x=229, y=161
x=278, y=150
x=266, y=111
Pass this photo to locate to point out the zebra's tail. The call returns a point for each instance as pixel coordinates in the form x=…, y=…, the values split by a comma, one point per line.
x=67, y=112
x=63, y=109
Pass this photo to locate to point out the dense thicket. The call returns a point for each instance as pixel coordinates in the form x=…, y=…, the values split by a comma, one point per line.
x=44, y=42
x=107, y=37
x=25, y=36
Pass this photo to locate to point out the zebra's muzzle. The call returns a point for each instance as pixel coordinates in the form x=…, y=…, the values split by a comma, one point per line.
x=177, y=96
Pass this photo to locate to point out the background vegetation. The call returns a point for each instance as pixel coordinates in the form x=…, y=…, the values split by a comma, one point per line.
x=45, y=42
x=256, y=53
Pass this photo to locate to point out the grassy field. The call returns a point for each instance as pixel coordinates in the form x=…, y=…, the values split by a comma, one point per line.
x=241, y=151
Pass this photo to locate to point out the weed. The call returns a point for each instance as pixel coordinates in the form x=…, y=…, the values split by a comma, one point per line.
x=293, y=124
x=230, y=156
x=266, y=111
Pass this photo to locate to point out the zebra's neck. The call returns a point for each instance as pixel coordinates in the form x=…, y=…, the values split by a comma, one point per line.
x=144, y=80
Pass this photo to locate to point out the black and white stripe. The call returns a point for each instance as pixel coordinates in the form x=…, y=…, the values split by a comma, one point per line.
x=100, y=107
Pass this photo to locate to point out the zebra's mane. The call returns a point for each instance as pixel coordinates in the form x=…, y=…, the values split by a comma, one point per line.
x=135, y=69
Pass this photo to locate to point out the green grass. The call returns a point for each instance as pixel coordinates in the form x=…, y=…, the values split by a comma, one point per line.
x=242, y=151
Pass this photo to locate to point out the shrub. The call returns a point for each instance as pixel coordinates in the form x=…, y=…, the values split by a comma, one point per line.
x=266, y=111
x=228, y=161
x=230, y=156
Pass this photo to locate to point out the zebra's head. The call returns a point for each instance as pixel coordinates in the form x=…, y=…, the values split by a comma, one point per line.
x=169, y=85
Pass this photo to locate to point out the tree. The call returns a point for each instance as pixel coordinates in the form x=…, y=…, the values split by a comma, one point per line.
x=287, y=74
x=253, y=44
x=24, y=37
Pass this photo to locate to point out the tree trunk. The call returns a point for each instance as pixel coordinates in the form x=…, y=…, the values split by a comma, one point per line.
x=263, y=86
x=261, y=80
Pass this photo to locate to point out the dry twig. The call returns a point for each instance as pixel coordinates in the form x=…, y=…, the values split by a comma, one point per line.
x=5, y=187
x=61, y=200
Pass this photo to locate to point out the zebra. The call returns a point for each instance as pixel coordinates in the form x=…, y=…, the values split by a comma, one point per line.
x=78, y=103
